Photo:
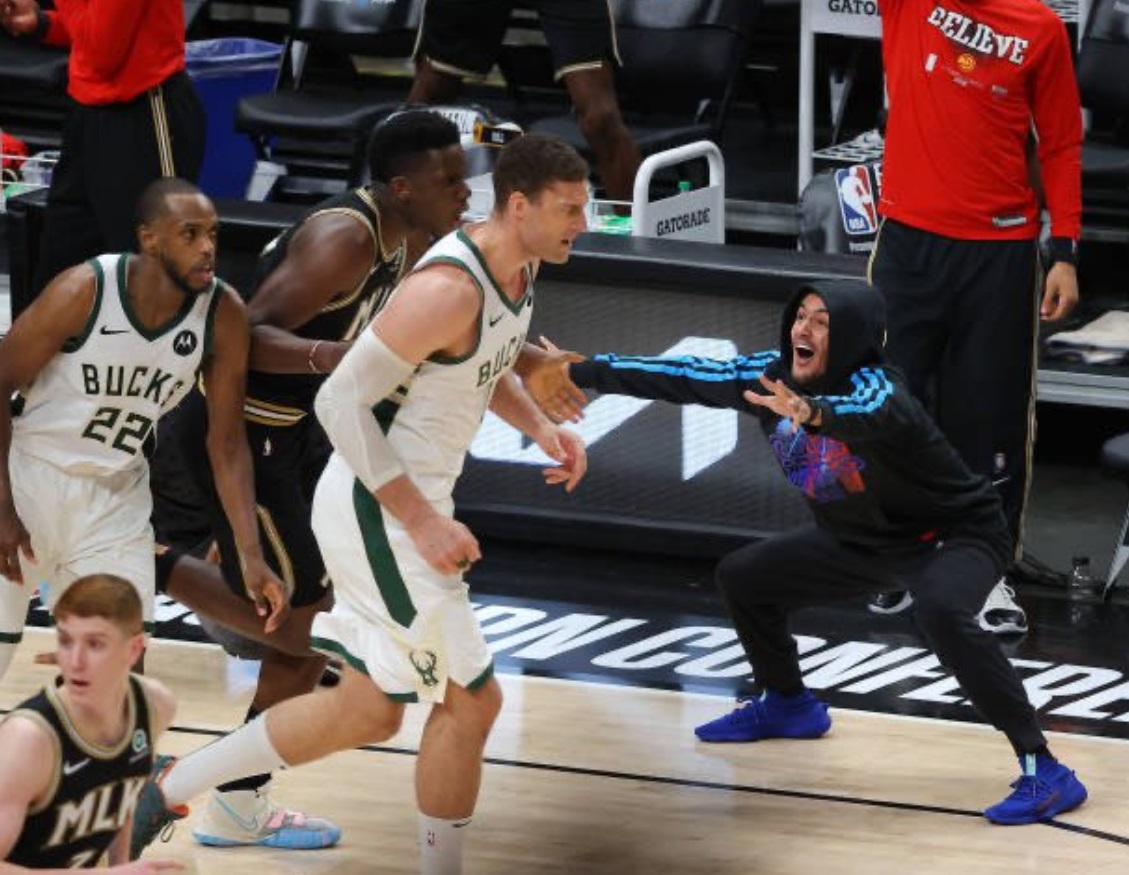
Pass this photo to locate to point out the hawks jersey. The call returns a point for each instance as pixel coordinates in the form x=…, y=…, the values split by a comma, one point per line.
x=94, y=789
x=966, y=81
x=433, y=420
x=285, y=398
x=91, y=408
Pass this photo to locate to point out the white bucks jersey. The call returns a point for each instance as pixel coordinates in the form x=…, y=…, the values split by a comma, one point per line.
x=432, y=423
x=91, y=408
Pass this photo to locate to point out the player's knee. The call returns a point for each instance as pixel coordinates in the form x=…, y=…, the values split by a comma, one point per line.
x=938, y=616
x=360, y=703
x=489, y=701
x=383, y=721
x=732, y=577
x=474, y=710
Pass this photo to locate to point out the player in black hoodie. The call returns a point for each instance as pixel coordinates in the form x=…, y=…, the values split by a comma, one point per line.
x=895, y=507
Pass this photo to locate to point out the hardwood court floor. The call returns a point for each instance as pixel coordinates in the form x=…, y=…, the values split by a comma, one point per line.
x=588, y=778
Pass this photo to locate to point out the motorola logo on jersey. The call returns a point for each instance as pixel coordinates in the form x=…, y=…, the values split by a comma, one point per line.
x=185, y=343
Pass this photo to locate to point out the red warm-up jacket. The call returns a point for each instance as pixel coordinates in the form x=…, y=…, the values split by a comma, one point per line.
x=119, y=48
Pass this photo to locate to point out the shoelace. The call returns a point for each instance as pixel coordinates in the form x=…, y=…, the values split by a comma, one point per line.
x=1030, y=785
x=748, y=707
x=166, y=831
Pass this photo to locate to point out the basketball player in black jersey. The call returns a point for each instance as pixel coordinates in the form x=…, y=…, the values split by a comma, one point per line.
x=319, y=284
x=74, y=757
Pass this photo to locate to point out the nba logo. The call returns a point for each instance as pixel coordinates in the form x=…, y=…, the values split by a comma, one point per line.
x=856, y=200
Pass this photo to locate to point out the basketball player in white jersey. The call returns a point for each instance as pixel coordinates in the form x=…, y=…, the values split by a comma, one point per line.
x=102, y=353
x=74, y=757
x=401, y=410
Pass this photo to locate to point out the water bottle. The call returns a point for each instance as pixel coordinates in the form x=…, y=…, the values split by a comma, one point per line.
x=1081, y=580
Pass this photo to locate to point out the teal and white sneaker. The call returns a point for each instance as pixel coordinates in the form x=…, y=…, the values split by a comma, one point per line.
x=249, y=817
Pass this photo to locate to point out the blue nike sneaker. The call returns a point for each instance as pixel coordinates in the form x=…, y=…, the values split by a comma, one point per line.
x=1046, y=789
x=771, y=715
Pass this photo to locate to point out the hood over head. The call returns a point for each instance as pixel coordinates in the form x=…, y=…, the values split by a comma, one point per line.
x=856, y=329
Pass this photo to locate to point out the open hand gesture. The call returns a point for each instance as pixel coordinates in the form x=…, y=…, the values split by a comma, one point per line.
x=544, y=373
x=782, y=401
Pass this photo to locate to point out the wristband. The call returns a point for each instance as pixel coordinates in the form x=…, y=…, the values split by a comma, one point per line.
x=314, y=369
x=814, y=409
x=1062, y=249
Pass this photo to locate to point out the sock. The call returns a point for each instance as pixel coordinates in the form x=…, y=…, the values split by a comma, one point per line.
x=7, y=651
x=13, y=613
x=246, y=751
x=1031, y=760
x=798, y=696
x=1042, y=750
x=251, y=782
x=441, y=845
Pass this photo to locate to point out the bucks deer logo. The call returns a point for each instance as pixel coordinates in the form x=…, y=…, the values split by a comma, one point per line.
x=425, y=662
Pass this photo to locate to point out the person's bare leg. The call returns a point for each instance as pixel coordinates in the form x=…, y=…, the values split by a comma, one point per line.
x=449, y=769
x=597, y=110
x=199, y=586
x=282, y=675
x=353, y=713
x=449, y=773
x=294, y=732
x=433, y=86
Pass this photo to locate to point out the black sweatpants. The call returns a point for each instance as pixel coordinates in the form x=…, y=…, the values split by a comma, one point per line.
x=961, y=322
x=765, y=582
x=109, y=154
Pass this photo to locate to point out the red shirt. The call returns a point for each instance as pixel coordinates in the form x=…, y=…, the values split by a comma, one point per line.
x=119, y=48
x=966, y=81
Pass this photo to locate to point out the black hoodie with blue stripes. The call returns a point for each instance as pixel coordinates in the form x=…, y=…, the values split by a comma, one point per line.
x=877, y=473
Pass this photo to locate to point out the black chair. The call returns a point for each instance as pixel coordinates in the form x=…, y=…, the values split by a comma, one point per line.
x=1103, y=82
x=324, y=104
x=1115, y=461
x=681, y=65
x=33, y=82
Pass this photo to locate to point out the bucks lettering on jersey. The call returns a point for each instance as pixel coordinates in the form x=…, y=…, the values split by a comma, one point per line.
x=432, y=421
x=282, y=399
x=93, y=791
x=91, y=408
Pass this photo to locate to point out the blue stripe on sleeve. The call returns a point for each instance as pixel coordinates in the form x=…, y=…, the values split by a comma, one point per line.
x=872, y=389
x=695, y=368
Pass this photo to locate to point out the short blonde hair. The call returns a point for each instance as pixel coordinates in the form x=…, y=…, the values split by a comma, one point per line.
x=103, y=595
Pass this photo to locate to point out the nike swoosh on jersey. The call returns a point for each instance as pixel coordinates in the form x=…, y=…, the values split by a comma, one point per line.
x=105, y=330
x=496, y=319
x=70, y=768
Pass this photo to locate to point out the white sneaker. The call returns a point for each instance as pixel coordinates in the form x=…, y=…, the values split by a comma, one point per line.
x=1001, y=614
x=249, y=817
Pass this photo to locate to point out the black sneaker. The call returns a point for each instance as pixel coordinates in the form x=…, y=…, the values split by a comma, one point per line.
x=890, y=602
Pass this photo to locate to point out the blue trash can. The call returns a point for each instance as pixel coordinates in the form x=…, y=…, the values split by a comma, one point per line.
x=223, y=71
